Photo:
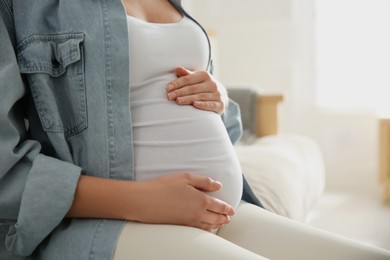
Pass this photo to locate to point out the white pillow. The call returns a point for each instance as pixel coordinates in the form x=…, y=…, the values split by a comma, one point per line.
x=286, y=173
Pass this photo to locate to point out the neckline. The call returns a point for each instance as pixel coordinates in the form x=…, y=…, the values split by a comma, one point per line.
x=152, y=23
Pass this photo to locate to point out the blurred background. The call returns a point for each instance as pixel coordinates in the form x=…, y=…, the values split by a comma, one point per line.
x=331, y=61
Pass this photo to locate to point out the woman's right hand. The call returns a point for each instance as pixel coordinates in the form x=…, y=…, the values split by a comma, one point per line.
x=181, y=199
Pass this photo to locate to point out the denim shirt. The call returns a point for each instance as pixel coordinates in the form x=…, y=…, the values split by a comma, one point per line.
x=64, y=111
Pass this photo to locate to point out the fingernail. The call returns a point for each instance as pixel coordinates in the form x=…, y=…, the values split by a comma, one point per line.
x=181, y=100
x=170, y=87
x=171, y=96
x=218, y=183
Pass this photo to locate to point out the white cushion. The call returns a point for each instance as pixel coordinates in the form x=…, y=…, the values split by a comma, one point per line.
x=286, y=173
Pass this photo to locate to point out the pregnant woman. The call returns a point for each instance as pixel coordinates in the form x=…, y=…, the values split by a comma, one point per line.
x=116, y=143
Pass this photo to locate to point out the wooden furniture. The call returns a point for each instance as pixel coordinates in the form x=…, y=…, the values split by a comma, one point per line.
x=384, y=157
x=267, y=114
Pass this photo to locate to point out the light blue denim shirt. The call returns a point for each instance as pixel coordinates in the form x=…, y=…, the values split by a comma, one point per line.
x=64, y=111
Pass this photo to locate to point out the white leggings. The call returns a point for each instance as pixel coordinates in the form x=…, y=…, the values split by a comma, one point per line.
x=253, y=233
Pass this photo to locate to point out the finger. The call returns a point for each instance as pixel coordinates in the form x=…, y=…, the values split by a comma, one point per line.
x=216, y=227
x=183, y=81
x=214, y=106
x=205, y=227
x=203, y=183
x=180, y=72
x=214, y=219
x=188, y=100
x=211, y=224
x=220, y=207
x=190, y=79
x=194, y=89
x=210, y=228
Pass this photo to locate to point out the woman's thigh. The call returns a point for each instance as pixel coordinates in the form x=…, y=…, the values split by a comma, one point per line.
x=148, y=241
x=278, y=237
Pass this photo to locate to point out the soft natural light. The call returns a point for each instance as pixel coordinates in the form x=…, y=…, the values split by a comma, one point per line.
x=353, y=53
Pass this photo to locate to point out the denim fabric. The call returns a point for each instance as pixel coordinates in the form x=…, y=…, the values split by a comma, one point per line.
x=64, y=111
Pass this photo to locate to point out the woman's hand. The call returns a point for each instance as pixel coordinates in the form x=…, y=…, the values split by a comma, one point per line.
x=199, y=89
x=180, y=199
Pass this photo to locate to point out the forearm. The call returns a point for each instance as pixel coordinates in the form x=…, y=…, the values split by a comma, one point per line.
x=103, y=198
x=178, y=199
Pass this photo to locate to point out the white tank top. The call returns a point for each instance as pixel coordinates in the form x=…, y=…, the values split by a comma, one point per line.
x=169, y=138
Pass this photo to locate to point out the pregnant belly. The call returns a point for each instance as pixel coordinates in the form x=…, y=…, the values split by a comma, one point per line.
x=182, y=138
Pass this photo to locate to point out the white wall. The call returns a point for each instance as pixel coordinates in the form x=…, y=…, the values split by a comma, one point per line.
x=271, y=44
x=241, y=56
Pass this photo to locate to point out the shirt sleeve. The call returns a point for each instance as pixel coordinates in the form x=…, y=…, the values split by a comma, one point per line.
x=36, y=191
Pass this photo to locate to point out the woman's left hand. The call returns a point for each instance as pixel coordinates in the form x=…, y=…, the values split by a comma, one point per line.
x=199, y=89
